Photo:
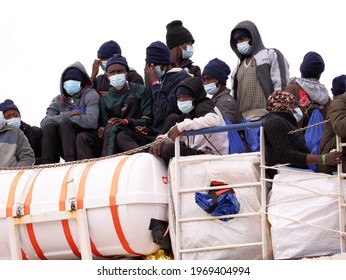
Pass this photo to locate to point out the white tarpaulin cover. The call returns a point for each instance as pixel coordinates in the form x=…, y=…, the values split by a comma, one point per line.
x=197, y=174
x=303, y=213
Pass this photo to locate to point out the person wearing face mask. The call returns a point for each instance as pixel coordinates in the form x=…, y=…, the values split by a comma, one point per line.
x=282, y=147
x=74, y=110
x=180, y=42
x=259, y=72
x=33, y=133
x=162, y=79
x=105, y=52
x=198, y=112
x=15, y=149
x=124, y=107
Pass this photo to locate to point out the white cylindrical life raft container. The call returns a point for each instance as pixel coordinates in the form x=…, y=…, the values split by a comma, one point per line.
x=120, y=196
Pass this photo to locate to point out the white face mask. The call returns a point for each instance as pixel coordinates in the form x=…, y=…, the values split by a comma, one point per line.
x=186, y=54
x=72, y=87
x=185, y=106
x=14, y=121
x=159, y=72
x=118, y=81
x=211, y=88
x=244, y=47
x=2, y=120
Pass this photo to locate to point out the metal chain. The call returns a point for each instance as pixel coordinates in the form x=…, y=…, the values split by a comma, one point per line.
x=130, y=152
x=307, y=127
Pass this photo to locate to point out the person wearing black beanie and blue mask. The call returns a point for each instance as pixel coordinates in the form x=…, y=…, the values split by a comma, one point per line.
x=105, y=52
x=180, y=42
x=74, y=110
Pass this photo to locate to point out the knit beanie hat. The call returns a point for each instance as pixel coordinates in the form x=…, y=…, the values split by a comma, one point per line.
x=8, y=104
x=108, y=49
x=177, y=34
x=117, y=59
x=312, y=65
x=184, y=90
x=76, y=75
x=339, y=85
x=280, y=100
x=158, y=54
x=241, y=32
x=218, y=70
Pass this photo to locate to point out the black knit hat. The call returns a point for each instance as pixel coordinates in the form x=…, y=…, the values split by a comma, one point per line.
x=8, y=104
x=177, y=34
x=117, y=59
x=339, y=85
x=108, y=49
x=312, y=65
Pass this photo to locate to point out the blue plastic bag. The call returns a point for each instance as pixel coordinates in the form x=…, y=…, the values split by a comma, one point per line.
x=235, y=143
x=218, y=205
x=313, y=135
x=252, y=137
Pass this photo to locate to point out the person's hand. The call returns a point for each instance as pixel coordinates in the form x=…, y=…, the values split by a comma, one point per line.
x=77, y=111
x=118, y=121
x=150, y=73
x=156, y=148
x=95, y=68
x=333, y=158
x=173, y=133
x=142, y=130
x=101, y=132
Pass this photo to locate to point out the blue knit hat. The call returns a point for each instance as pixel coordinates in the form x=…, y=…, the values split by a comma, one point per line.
x=218, y=70
x=8, y=104
x=184, y=90
x=339, y=85
x=158, y=54
x=117, y=59
x=108, y=49
x=312, y=65
x=76, y=75
x=241, y=32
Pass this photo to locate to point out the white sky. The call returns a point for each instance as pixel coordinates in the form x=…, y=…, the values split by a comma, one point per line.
x=40, y=38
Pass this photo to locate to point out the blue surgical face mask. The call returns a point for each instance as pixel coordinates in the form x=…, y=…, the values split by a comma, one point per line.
x=244, y=47
x=14, y=121
x=185, y=106
x=159, y=72
x=72, y=87
x=118, y=81
x=2, y=120
x=297, y=114
x=103, y=65
x=211, y=88
x=186, y=54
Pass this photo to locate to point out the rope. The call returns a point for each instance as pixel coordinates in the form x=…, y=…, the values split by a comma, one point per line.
x=53, y=165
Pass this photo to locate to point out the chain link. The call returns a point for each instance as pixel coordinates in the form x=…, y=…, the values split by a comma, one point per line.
x=130, y=152
x=307, y=127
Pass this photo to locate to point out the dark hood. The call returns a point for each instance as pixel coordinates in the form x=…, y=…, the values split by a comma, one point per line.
x=257, y=44
x=196, y=86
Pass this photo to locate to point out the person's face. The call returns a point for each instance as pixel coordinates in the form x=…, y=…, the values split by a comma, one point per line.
x=184, y=97
x=243, y=39
x=207, y=80
x=10, y=114
x=115, y=69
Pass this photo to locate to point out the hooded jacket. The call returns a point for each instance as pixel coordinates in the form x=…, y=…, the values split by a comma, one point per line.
x=271, y=67
x=205, y=114
x=61, y=105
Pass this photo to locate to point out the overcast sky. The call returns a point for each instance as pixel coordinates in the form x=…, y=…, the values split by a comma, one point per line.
x=40, y=38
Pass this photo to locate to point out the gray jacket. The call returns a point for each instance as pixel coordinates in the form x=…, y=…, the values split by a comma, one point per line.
x=15, y=149
x=62, y=104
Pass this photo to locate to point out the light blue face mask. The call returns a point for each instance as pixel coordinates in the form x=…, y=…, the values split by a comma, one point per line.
x=185, y=106
x=186, y=54
x=211, y=88
x=14, y=121
x=72, y=87
x=118, y=81
x=2, y=120
x=159, y=72
x=297, y=114
x=103, y=65
x=244, y=47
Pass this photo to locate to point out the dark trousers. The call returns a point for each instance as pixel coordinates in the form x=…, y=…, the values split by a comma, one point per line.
x=59, y=140
x=129, y=140
x=88, y=145
x=168, y=152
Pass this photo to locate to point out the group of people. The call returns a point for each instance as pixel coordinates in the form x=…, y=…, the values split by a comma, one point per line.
x=119, y=110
